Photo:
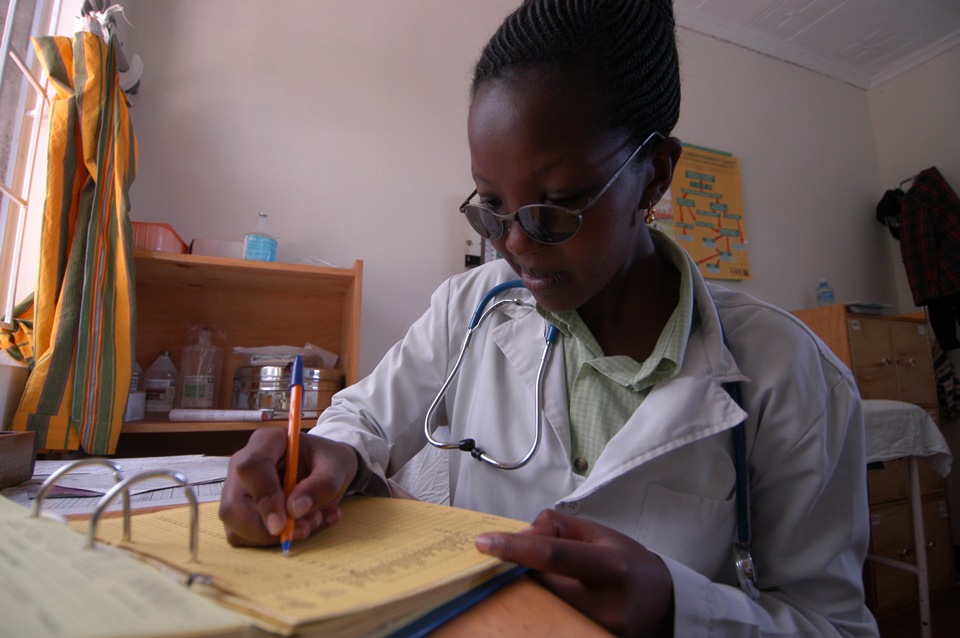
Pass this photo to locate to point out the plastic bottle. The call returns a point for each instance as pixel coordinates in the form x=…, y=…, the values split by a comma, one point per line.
x=200, y=365
x=135, y=397
x=825, y=296
x=259, y=244
x=160, y=382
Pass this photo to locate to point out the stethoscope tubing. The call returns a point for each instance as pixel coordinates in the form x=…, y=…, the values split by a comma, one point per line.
x=479, y=316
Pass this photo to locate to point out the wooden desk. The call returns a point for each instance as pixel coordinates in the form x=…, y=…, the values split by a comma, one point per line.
x=522, y=608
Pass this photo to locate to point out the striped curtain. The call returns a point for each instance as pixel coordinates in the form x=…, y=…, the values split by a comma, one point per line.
x=84, y=327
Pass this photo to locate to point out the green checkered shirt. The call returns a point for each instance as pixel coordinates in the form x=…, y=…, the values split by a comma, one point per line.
x=604, y=391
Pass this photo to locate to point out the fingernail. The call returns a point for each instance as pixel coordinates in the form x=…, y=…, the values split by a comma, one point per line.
x=483, y=543
x=274, y=523
x=301, y=506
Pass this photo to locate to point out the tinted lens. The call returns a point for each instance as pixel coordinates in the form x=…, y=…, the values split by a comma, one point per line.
x=548, y=224
x=545, y=224
x=483, y=221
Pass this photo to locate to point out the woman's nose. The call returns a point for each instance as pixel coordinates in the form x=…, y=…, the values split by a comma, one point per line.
x=517, y=241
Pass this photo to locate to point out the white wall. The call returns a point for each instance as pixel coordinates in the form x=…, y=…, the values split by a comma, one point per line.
x=346, y=122
x=808, y=170
x=916, y=120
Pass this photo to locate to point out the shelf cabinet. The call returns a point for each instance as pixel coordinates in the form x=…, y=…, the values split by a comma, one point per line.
x=248, y=303
x=890, y=357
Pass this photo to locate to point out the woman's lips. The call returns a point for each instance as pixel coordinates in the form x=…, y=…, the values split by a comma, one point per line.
x=540, y=281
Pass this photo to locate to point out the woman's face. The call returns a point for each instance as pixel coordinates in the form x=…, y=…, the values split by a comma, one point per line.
x=540, y=138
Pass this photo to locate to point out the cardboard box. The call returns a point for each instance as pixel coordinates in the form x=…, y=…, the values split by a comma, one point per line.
x=16, y=457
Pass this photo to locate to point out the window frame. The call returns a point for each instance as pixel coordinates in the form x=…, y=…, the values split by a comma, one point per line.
x=20, y=200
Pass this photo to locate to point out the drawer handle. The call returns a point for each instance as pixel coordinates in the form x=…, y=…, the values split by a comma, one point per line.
x=906, y=552
x=931, y=545
x=886, y=361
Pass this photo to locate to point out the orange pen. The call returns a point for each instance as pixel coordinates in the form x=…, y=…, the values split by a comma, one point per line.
x=293, y=448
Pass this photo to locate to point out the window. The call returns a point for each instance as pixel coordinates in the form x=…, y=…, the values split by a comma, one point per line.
x=23, y=140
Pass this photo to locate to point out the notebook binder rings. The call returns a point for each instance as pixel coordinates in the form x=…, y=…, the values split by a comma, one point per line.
x=122, y=489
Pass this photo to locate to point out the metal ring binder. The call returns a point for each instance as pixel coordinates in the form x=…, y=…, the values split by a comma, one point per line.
x=123, y=487
x=53, y=478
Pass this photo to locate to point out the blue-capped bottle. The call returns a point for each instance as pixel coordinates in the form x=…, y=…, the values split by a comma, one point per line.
x=825, y=296
x=259, y=244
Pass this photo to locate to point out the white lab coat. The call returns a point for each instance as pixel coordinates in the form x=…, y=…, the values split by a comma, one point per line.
x=667, y=478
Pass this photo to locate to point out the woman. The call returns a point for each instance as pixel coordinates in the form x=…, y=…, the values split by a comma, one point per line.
x=631, y=487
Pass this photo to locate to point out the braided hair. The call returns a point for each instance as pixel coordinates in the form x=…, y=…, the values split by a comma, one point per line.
x=629, y=45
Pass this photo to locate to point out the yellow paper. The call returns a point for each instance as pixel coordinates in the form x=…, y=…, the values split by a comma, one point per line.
x=50, y=585
x=383, y=550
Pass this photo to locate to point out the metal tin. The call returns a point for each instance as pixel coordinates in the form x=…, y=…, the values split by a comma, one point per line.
x=258, y=387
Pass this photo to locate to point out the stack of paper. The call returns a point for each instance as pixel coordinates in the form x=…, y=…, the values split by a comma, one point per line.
x=51, y=586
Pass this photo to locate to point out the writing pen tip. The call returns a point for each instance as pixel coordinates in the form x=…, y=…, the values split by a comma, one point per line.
x=285, y=547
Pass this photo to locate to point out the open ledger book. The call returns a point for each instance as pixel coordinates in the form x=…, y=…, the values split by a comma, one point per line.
x=386, y=563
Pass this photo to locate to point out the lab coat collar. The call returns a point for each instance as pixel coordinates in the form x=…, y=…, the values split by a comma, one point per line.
x=667, y=419
x=522, y=344
x=685, y=408
x=688, y=407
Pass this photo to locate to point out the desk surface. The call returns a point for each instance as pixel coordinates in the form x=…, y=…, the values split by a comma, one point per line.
x=522, y=608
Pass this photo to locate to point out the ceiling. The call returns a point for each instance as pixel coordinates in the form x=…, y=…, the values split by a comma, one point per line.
x=861, y=42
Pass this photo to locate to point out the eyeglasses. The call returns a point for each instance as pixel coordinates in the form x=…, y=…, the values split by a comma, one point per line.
x=544, y=223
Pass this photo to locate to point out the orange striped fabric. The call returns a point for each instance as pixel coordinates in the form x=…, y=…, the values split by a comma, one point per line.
x=17, y=341
x=84, y=315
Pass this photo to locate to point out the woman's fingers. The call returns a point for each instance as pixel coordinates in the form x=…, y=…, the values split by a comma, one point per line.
x=599, y=571
x=253, y=506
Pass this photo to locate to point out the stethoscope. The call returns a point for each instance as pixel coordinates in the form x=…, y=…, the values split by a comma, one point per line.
x=746, y=571
x=479, y=316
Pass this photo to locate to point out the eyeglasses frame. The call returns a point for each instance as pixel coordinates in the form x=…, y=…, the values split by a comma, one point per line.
x=502, y=217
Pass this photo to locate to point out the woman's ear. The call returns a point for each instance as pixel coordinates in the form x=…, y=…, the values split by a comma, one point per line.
x=664, y=159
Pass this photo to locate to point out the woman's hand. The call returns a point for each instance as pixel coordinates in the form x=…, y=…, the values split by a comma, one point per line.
x=606, y=575
x=253, y=507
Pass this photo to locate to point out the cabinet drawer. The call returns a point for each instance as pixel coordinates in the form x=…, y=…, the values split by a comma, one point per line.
x=892, y=481
x=891, y=536
x=936, y=531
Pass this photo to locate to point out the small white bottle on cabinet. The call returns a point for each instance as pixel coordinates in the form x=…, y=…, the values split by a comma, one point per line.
x=160, y=382
x=259, y=244
x=825, y=296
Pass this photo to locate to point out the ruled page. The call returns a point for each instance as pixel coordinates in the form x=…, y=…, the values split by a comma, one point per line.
x=50, y=585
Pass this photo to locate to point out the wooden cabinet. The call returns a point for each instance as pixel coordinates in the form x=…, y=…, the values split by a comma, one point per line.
x=891, y=527
x=890, y=357
x=251, y=304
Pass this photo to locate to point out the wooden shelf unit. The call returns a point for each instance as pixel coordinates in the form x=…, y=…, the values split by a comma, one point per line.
x=248, y=303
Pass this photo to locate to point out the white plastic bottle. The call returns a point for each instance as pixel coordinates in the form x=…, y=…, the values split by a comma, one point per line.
x=259, y=244
x=200, y=365
x=160, y=382
x=135, y=397
x=825, y=296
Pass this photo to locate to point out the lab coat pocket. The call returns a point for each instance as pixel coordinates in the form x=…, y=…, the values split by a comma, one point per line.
x=696, y=531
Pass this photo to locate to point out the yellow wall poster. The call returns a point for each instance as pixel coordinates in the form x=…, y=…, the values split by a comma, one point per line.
x=704, y=211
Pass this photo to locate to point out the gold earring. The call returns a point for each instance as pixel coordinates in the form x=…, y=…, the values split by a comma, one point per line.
x=650, y=215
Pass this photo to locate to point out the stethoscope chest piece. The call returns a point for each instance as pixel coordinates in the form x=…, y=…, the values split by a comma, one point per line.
x=746, y=571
